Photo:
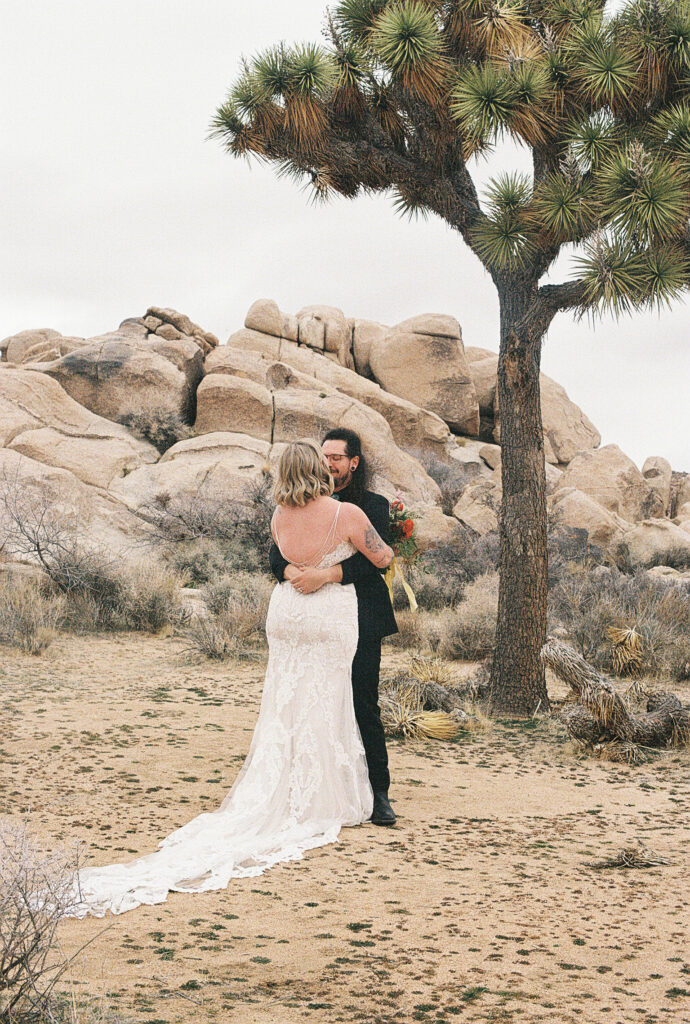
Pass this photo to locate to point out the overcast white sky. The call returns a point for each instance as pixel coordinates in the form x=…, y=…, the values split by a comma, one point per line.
x=113, y=200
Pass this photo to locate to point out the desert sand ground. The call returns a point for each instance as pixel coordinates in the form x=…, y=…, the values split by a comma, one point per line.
x=478, y=906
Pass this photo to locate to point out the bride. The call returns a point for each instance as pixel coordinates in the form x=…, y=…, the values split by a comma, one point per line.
x=305, y=775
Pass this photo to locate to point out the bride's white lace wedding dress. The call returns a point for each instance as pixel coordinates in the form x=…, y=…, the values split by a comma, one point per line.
x=305, y=775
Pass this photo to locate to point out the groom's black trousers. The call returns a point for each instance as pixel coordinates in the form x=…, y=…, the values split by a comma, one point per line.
x=366, y=667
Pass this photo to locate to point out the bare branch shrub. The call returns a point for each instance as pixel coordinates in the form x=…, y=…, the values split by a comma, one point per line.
x=36, y=891
x=29, y=617
x=204, y=534
x=101, y=591
x=35, y=525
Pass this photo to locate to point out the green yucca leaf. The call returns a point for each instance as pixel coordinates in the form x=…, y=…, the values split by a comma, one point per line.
x=271, y=73
x=407, y=42
x=595, y=139
x=532, y=99
x=671, y=129
x=563, y=208
x=565, y=15
x=237, y=136
x=666, y=275
x=509, y=193
x=247, y=95
x=678, y=35
x=351, y=63
x=501, y=25
x=502, y=241
x=482, y=101
x=645, y=196
x=310, y=70
x=614, y=279
x=409, y=204
x=354, y=19
x=607, y=73
x=558, y=68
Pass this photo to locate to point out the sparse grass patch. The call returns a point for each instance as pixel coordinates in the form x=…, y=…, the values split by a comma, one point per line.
x=468, y=631
x=29, y=617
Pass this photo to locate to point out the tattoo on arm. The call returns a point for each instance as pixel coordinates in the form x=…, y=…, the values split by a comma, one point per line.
x=372, y=541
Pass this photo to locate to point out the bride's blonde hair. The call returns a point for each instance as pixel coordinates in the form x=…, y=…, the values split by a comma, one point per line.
x=302, y=475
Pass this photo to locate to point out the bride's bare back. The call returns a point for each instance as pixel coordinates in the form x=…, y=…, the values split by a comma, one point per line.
x=305, y=535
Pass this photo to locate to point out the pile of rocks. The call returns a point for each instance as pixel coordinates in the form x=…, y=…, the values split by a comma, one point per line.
x=413, y=392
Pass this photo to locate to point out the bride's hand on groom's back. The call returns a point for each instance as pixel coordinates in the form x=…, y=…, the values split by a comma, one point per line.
x=306, y=581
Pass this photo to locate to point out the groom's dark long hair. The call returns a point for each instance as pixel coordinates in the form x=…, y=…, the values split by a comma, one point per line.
x=353, y=446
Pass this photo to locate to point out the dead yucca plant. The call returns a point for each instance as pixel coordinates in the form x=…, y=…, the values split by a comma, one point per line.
x=403, y=714
x=429, y=669
x=627, y=650
x=436, y=725
x=621, y=752
x=634, y=855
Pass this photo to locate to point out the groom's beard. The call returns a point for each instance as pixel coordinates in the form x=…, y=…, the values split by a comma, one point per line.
x=340, y=483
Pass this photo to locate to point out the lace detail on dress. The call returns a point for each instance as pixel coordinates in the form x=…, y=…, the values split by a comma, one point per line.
x=305, y=775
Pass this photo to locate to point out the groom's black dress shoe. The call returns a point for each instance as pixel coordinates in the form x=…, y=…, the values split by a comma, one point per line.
x=383, y=813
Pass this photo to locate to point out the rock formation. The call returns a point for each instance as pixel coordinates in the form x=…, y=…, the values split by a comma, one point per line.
x=72, y=409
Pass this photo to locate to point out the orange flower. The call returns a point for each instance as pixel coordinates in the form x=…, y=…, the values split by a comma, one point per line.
x=408, y=527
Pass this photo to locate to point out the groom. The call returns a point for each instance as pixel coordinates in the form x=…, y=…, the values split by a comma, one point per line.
x=343, y=451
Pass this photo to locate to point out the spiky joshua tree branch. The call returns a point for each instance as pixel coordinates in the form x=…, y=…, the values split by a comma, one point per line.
x=402, y=98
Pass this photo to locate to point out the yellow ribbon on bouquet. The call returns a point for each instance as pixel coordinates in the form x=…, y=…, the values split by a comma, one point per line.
x=392, y=571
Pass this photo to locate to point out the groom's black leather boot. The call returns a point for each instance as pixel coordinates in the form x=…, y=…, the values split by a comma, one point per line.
x=383, y=813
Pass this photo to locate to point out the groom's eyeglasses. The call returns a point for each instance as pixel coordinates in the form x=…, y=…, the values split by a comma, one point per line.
x=336, y=458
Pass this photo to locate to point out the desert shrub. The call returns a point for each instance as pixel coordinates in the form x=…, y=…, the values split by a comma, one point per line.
x=235, y=632
x=149, y=597
x=235, y=626
x=675, y=557
x=412, y=630
x=160, y=427
x=439, y=576
x=452, y=478
x=205, y=559
x=569, y=549
x=137, y=596
x=251, y=590
x=28, y=616
x=468, y=631
x=36, y=892
x=218, y=533
x=588, y=604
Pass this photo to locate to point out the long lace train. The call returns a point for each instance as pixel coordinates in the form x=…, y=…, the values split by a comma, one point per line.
x=305, y=775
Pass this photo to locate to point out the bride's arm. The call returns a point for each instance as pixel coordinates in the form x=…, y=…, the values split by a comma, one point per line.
x=362, y=534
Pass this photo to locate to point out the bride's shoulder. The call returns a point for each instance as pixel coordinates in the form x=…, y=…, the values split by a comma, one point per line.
x=351, y=511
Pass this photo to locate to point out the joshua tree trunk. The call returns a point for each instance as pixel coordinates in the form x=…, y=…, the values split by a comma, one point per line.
x=518, y=684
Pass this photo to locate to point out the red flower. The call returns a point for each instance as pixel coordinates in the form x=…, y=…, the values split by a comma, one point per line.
x=408, y=527
x=397, y=504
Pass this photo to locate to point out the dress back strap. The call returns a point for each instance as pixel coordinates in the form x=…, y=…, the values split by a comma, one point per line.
x=323, y=550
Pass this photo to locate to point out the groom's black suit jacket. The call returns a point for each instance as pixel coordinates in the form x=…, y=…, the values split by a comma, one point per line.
x=375, y=613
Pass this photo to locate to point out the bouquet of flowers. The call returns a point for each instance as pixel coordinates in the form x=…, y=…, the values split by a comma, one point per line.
x=402, y=531
x=404, y=545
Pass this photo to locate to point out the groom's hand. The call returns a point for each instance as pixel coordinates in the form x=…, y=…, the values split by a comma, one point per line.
x=306, y=581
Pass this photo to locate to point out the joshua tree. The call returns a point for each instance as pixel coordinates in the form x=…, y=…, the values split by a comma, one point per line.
x=402, y=97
